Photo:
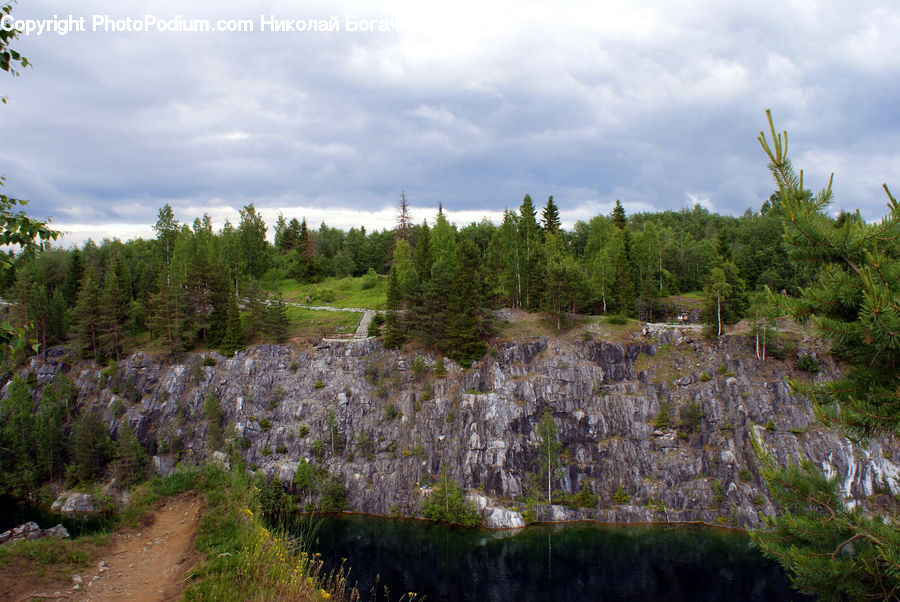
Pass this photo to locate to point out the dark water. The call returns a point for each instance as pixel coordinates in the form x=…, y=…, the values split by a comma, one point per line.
x=580, y=561
x=14, y=512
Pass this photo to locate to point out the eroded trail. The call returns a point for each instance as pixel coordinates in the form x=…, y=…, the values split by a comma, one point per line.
x=148, y=562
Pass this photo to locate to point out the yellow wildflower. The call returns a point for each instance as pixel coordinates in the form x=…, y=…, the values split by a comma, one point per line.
x=325, y=595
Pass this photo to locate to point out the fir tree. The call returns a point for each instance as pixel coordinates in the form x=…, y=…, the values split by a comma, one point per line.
x=88, y=315
x=550, y=216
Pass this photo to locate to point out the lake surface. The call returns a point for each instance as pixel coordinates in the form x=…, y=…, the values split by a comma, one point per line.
x=576, y=561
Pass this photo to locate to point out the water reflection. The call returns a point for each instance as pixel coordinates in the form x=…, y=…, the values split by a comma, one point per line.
x=552, y=562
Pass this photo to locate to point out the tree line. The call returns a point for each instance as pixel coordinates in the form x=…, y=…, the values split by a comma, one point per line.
x=193, y=287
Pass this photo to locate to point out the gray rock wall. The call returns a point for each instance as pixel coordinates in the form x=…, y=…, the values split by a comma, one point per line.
x=480, y=423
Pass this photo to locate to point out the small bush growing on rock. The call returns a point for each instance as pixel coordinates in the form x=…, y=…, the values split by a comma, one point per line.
x=584, y=498
x=264, y=423
x=391, y=412
x=691, y=416
x=745, y=475
x=317, y=449
x=448, y=503
x=798, y=432
x=209, y=360
x=266, y=451
x=617, y=319
x=808, y=363
x=117, y=408
x=419, y=368
x=705, y=377
x=281, y=449
x=427, y=392
x=450, y=417
x=318, y=385
x=303, y=430
x=663, y=418
x=294, y=366
x=439, y=370
x=621, y=496
x=770, y=426
x=333, y=496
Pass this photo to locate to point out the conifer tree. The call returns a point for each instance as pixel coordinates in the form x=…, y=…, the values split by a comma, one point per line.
x=88, y=315
x=550, y=216
x=829, y=549
x=530, y=245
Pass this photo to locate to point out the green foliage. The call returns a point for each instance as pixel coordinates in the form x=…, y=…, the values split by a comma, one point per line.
x=770, y=426
x=548, y=447
x=663, y=419
x=391, y=412
x=304, y=477
x=617, y=319
x=691, y=417
x=448, y=503
x=90, y=447
x=130, y=457
x=302, y=431
x=332, y=495
x=854, y=302
x=830, y=550
x=584, y=498
x=439, y=370
x=745, y=475
x=621, y=496
x=317, y=449
x=209, y=360
x=212, y=411
x=318, y=385
x=808, y=363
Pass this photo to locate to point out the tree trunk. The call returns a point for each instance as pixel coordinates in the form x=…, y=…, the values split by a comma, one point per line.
x=719, y=312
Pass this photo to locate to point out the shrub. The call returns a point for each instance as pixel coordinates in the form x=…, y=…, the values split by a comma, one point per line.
x=745, y=475
x=808, y=363
x=419, y=368
x=281, y=449
x=117, y=408
x=617, y=319
x=333, y=496
x=663, y=418
x=621, y=496
x=303, y=431
x=439, y=370
x=209, y=360
x=705, y=377
x=317, y=449
x=448, y=503
x=391, y=412
x=370, y=280
x=691, y=417
x=584, y=498
x=266, y=451
x=318, y=385
x=770, y=426
x=264, y=423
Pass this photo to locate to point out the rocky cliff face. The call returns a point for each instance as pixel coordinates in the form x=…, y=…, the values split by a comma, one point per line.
x=387, y=427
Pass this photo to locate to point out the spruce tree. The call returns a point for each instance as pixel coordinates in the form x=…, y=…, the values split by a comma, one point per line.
x=88, y=316
x=550, y=216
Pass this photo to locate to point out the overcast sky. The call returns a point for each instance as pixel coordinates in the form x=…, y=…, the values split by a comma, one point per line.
x=473, y=105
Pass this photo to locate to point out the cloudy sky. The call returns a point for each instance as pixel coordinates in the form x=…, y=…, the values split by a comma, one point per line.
x=472, y=105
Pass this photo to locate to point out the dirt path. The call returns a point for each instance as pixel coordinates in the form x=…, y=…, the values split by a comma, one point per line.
x=147, y=563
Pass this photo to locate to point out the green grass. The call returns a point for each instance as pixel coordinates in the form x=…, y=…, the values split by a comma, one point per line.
x=348, y=292
x=315, y=323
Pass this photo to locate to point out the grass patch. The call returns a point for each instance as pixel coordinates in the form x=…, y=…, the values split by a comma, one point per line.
x=319, y=323
x=348, y=292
